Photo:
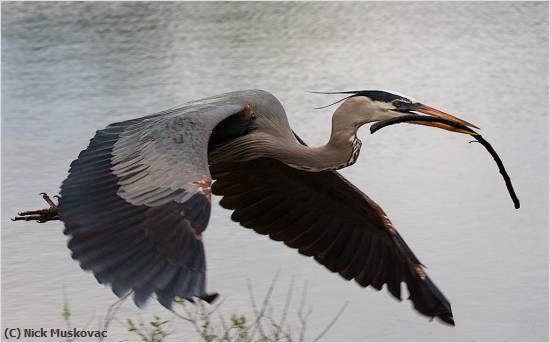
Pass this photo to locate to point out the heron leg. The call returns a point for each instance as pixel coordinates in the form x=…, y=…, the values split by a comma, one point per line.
x=43, y=215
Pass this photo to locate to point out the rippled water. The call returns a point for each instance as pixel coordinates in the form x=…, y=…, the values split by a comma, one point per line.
x=71, y=68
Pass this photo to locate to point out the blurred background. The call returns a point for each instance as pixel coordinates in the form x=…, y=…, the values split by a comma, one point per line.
x=69, y=69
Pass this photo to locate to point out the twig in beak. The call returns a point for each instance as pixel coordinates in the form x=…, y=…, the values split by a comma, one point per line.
x=415, y=117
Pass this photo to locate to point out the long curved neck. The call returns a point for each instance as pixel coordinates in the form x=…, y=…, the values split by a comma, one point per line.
x=279, y=143
x=330, y=156
x=341, y=150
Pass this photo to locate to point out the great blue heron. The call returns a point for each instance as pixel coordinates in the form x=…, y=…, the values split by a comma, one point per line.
x=138, y=198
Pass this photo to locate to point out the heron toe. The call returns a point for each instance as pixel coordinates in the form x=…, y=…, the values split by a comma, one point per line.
x=43, y=215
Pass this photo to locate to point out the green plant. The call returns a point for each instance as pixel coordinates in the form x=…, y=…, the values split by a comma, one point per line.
x=154, y=331
x=208, y=321
x=262, y=327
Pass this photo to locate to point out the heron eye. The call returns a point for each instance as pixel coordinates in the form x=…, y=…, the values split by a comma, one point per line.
x=396, y=103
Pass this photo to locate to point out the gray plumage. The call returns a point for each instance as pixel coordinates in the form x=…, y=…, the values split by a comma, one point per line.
x=137, y=199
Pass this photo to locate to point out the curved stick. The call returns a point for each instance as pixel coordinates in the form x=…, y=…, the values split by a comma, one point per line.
x=416, y=117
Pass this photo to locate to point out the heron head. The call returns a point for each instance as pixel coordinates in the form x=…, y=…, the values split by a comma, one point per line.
x=369, y=106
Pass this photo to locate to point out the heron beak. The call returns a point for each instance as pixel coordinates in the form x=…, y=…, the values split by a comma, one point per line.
x=437, y=113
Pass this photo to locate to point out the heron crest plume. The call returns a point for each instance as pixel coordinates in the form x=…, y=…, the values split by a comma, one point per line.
x=376, y=95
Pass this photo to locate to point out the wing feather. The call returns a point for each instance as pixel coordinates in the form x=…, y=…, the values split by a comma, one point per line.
x=328, y=218
x=133, y=204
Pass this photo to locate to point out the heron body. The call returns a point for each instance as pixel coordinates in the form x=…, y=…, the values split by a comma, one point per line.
x=137, y=199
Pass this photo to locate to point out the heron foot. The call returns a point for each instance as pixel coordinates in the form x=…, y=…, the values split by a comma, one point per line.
x=43, y=215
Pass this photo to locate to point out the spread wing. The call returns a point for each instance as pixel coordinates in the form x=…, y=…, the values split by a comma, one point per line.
x=323, y=215
x=138, y=198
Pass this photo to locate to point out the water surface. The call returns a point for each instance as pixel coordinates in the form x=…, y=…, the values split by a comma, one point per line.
x=71, y=68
